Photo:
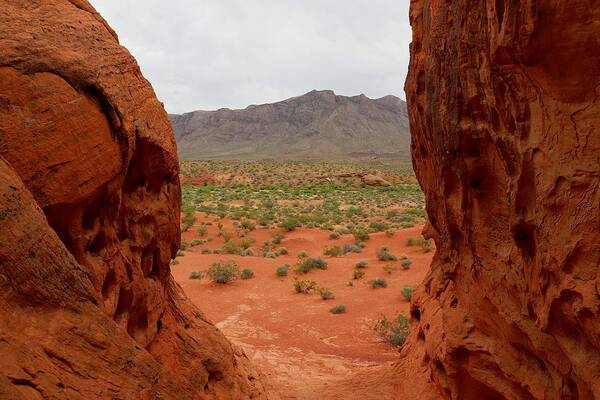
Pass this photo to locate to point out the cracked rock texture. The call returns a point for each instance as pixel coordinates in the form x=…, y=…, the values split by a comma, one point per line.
x=89, y=221
x=504, y=114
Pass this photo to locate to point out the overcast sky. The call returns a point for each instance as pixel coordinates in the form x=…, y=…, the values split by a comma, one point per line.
x=208, y=54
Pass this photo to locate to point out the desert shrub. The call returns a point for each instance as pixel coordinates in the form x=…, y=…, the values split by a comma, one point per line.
x=223, y=272
x=378, y=283
x=415, y=241
x=277, y=237
x=390, y=233
x=245, y=243
x=196, y=275
x=289, y=224
x=230, y=247
x=362, y=264
x=393, y=332
x=302, y=254
x=383, y=254
x=282, y=251
x=358, y=274
x=225, y=235
x=206, y=250
x=174, y=262
x=339, y=309
x=188, y=219
x=202, y=230
x=196, y=242
x=406, y=263
x=304, y=286
x=248, y=225
x=378, y=226
x=407, y=292
x=334, y=235
x=247, y=273
x=351, y=248
x=283, y=270
x=326, y=294
x=333, y=251
x=180, y=253
x=361, y=235
x=311, y=263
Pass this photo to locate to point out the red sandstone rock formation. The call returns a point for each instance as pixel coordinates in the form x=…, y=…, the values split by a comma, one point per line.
x=89, y=221
x=504, y=114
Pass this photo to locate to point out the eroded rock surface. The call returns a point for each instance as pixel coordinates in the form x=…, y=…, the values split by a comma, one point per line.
x=504, y=114
x=89, y=221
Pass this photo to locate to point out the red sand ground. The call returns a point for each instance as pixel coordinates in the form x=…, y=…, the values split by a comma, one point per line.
x=304, y=349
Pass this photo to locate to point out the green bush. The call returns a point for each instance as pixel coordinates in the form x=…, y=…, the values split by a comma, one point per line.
x=339, y=309
x=223, y=272
x=196, y=275
x=310, y=264
x=362, y=264
x=180, y=253
x=333, y=251
x=302, y=254
x=390, y=233
x=361, y=235
x=334, y=235
x=277, y=237
x=378, y=283
x=383, y=254
x=415, y=241
x=282, y=251
x=358, y=274
x=247, y=273
x=393, y=332
x=378, y=226
x=407, y=292
x=248, y=225
x=351, y=248
x=326, y=294
x=188, y=219
x=304, y=286
x=283, y=270
x=289, y=224
x=406, y=263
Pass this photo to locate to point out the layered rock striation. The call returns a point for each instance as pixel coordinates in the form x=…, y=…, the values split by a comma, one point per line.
x=504, y=116
x=89, y=221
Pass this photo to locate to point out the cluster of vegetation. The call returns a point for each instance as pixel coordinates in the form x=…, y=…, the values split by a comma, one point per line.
x=223, y=272
x=308, y=286
x=263, y=197
x=426, y=245
x=308, y=264
x=393, y=332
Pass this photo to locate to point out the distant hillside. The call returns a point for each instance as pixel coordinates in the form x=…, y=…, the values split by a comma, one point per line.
x=318, y=125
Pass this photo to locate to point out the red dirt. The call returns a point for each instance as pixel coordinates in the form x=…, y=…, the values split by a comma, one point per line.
x=293, y=338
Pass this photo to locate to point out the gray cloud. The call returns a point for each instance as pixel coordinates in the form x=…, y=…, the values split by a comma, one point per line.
x=210, y=54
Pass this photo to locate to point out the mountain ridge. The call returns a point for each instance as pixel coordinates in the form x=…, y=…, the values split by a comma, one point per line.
x=317, y=125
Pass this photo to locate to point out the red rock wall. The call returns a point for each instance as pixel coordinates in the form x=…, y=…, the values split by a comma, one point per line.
x=89, y=221
x=504, y=114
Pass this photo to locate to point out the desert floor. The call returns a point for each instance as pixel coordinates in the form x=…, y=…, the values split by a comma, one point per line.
x=305, y=351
